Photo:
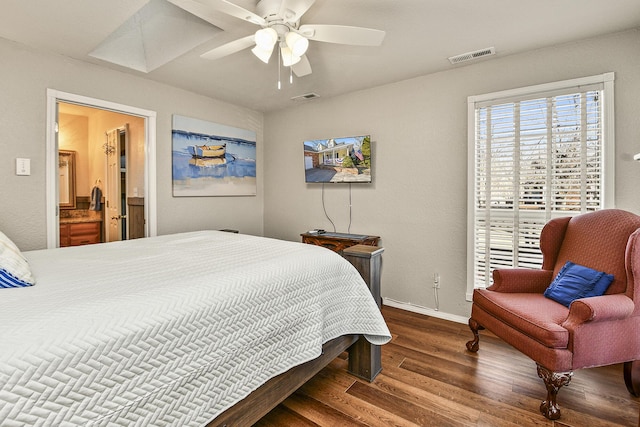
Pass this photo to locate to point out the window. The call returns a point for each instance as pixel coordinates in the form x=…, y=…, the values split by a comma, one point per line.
x=535, y=154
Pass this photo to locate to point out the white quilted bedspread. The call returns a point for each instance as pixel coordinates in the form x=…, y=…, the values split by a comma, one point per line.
x=170, y=330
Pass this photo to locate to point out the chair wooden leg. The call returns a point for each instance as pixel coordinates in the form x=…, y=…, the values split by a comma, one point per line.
x=553, y=381
x=473, y=345
x=632, y=377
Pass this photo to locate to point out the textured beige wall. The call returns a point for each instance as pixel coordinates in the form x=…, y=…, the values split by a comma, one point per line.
x=418, y=201
x=25, y=76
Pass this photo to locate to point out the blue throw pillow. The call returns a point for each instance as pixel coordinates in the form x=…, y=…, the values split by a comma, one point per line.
x=576, y=281
x=14, y=268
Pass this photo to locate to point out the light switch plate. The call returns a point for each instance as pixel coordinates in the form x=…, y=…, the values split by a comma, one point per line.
x=23, y=166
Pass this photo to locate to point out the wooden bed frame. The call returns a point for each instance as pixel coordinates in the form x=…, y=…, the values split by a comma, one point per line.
x=364, y=362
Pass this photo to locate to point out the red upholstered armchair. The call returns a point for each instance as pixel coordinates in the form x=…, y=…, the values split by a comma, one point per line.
x=595, y=331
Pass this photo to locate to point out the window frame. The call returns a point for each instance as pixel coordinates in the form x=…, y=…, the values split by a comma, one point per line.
x=608, y=141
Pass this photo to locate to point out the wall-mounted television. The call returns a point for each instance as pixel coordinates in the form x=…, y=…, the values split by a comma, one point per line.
x=338, y=160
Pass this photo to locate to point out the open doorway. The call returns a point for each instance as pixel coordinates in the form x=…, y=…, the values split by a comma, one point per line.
x=108, y=152
x=114, y=190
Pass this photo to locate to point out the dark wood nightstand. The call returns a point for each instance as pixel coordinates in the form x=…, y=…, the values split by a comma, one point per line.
x=337, y=242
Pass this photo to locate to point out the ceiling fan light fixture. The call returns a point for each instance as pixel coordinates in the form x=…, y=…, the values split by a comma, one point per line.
x=288, y=57
x=297, y=43
x=263, y=54
x=266, y=38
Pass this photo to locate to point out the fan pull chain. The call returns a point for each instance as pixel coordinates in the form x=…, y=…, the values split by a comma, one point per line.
x=279, y=67
x=290, y=67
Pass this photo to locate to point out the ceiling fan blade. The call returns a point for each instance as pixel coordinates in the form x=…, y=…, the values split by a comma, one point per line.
x=343, y=34
x=206, y=9
x=229, y=8
x=303, y=67
x=198, y=9
x=230, y=48
x=292, y=10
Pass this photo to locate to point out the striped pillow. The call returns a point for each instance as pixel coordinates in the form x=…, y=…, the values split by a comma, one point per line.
x=14, y=268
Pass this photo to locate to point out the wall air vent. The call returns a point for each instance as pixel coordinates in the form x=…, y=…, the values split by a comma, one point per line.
x=306, y=97
x=469, y=56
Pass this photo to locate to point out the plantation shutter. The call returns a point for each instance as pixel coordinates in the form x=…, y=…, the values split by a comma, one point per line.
x=537, y=156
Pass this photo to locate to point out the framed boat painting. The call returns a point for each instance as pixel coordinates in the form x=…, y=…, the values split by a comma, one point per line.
x=210, y=159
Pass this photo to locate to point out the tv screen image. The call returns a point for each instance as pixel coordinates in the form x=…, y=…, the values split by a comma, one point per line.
x=337, y=160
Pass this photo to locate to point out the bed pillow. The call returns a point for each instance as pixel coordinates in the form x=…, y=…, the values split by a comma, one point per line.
x=14, y=268
x=576, y=281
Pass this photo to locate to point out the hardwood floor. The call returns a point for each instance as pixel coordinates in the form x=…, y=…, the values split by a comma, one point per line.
x=429, y=379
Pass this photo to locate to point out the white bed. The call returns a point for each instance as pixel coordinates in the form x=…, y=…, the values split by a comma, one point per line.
x=169, y=330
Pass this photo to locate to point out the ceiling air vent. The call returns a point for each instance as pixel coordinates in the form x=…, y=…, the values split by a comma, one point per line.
x=305, y=97
x=472, y=55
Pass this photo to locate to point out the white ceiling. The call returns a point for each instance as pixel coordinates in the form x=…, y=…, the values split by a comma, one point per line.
x=420, y=36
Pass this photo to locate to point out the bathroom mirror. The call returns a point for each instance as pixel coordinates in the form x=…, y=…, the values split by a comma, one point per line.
x=67, y=179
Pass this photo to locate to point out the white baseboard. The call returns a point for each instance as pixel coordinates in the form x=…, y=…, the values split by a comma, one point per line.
x=424, y=310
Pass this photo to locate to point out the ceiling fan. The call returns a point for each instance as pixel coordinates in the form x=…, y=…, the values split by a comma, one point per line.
x=280, y=28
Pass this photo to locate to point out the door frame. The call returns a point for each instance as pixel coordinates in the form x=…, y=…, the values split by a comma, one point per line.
x=52, y=211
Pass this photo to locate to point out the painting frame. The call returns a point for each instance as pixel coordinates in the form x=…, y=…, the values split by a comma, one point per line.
x=211, y=159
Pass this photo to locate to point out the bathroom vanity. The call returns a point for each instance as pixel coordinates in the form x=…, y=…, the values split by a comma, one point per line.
x=79, y=231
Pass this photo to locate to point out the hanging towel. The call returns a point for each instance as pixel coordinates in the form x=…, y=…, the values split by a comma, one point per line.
x=96, y=199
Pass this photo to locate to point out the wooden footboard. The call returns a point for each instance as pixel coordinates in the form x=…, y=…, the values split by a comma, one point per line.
x=274, y=391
